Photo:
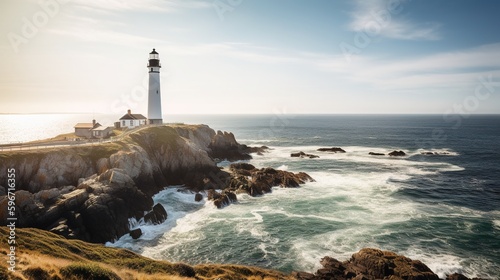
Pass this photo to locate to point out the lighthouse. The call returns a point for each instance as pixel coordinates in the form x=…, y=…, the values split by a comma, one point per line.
x=154, y=97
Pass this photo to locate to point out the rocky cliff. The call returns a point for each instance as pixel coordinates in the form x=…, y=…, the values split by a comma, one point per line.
x=90, y=192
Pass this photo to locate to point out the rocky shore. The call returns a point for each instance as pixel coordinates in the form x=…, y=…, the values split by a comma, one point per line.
x=90, y=192
x=371, y=264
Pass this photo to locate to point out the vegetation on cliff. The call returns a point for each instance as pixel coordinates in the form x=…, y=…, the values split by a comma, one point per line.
x=42, y=255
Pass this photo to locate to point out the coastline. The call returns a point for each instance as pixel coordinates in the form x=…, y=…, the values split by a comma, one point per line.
x=118, y=175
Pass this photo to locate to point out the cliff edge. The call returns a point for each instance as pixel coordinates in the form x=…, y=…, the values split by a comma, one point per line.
x=90, y=192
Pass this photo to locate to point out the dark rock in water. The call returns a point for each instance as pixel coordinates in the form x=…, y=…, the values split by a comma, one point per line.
x=299, y=154
x=136, y=233
x=241, y=166
x=245, y=178
x=303, y=155
x=333, y=149
x=434, y=153
x=198, y=197
x=212, y=194
x=372, y=264
x=223, y=199
x=376, y=154
x=157, y=216
x=397, y=154
x=260, y=181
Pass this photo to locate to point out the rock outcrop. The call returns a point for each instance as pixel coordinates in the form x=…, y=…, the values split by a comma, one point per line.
x=90, y=192
x=224, y=146
x=135, y=233
x=248, y=179
x=222, y=199
x=371, y=264
x=303, y=155
x=333, y=149
x=397, y=154
x=434, y=153
x=376, y=154
x=156, y=216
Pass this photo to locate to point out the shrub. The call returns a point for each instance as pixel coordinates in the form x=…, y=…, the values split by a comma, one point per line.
x=88, y=271
x=36, y=273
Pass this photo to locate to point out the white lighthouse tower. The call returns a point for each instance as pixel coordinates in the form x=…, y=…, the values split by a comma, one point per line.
x=154, y=98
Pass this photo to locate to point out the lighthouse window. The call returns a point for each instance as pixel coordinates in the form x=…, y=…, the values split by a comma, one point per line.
x=151, y=69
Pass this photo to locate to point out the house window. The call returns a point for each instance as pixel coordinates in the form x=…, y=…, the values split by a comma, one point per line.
x=123, y=123
x=131, y=123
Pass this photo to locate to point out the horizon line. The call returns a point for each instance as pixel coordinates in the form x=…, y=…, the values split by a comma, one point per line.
x=243, y=114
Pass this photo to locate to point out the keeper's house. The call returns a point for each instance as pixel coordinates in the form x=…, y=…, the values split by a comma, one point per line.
x=130, y=120
x=92, y=130
x=85, y=129
x=102, y=132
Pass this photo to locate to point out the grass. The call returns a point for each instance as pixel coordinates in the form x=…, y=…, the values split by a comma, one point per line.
x=43, y=255
x=88, y=271
x=154, y=137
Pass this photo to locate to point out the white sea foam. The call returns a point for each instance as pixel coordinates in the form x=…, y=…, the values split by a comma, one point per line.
x=440, y=152
x=400, y=167
x=440, y=263
x=176, y=209
x=283, y=167
x=496, y=224
x=359, y=207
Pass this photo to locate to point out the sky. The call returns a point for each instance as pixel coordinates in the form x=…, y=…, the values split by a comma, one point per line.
x=251, y=56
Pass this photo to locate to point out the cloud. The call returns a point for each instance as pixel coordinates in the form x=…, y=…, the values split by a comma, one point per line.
x=142, y=5
x=453, y=71
x=382, y=17
x=447, y=69
x=97, y=35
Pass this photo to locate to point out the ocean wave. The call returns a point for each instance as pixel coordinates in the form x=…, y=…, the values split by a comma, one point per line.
x=496, y=224
x=358, y=155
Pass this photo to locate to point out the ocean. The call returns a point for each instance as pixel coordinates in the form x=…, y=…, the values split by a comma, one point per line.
x=443, y=209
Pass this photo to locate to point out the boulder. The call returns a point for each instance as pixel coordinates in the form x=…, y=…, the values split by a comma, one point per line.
x=303, y=155
x=198, y=197
x=434, y=153
x=223, y=199
x=257, y=182
x=241, y=166
x=371, y=264
x=376, y=154
x=299, y=154
x=333, y=149
x=157, y=216
x=136, y=233
x=397, y=154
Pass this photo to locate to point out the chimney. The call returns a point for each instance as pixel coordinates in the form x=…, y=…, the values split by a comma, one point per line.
x=129, y=111
x=93, y=122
